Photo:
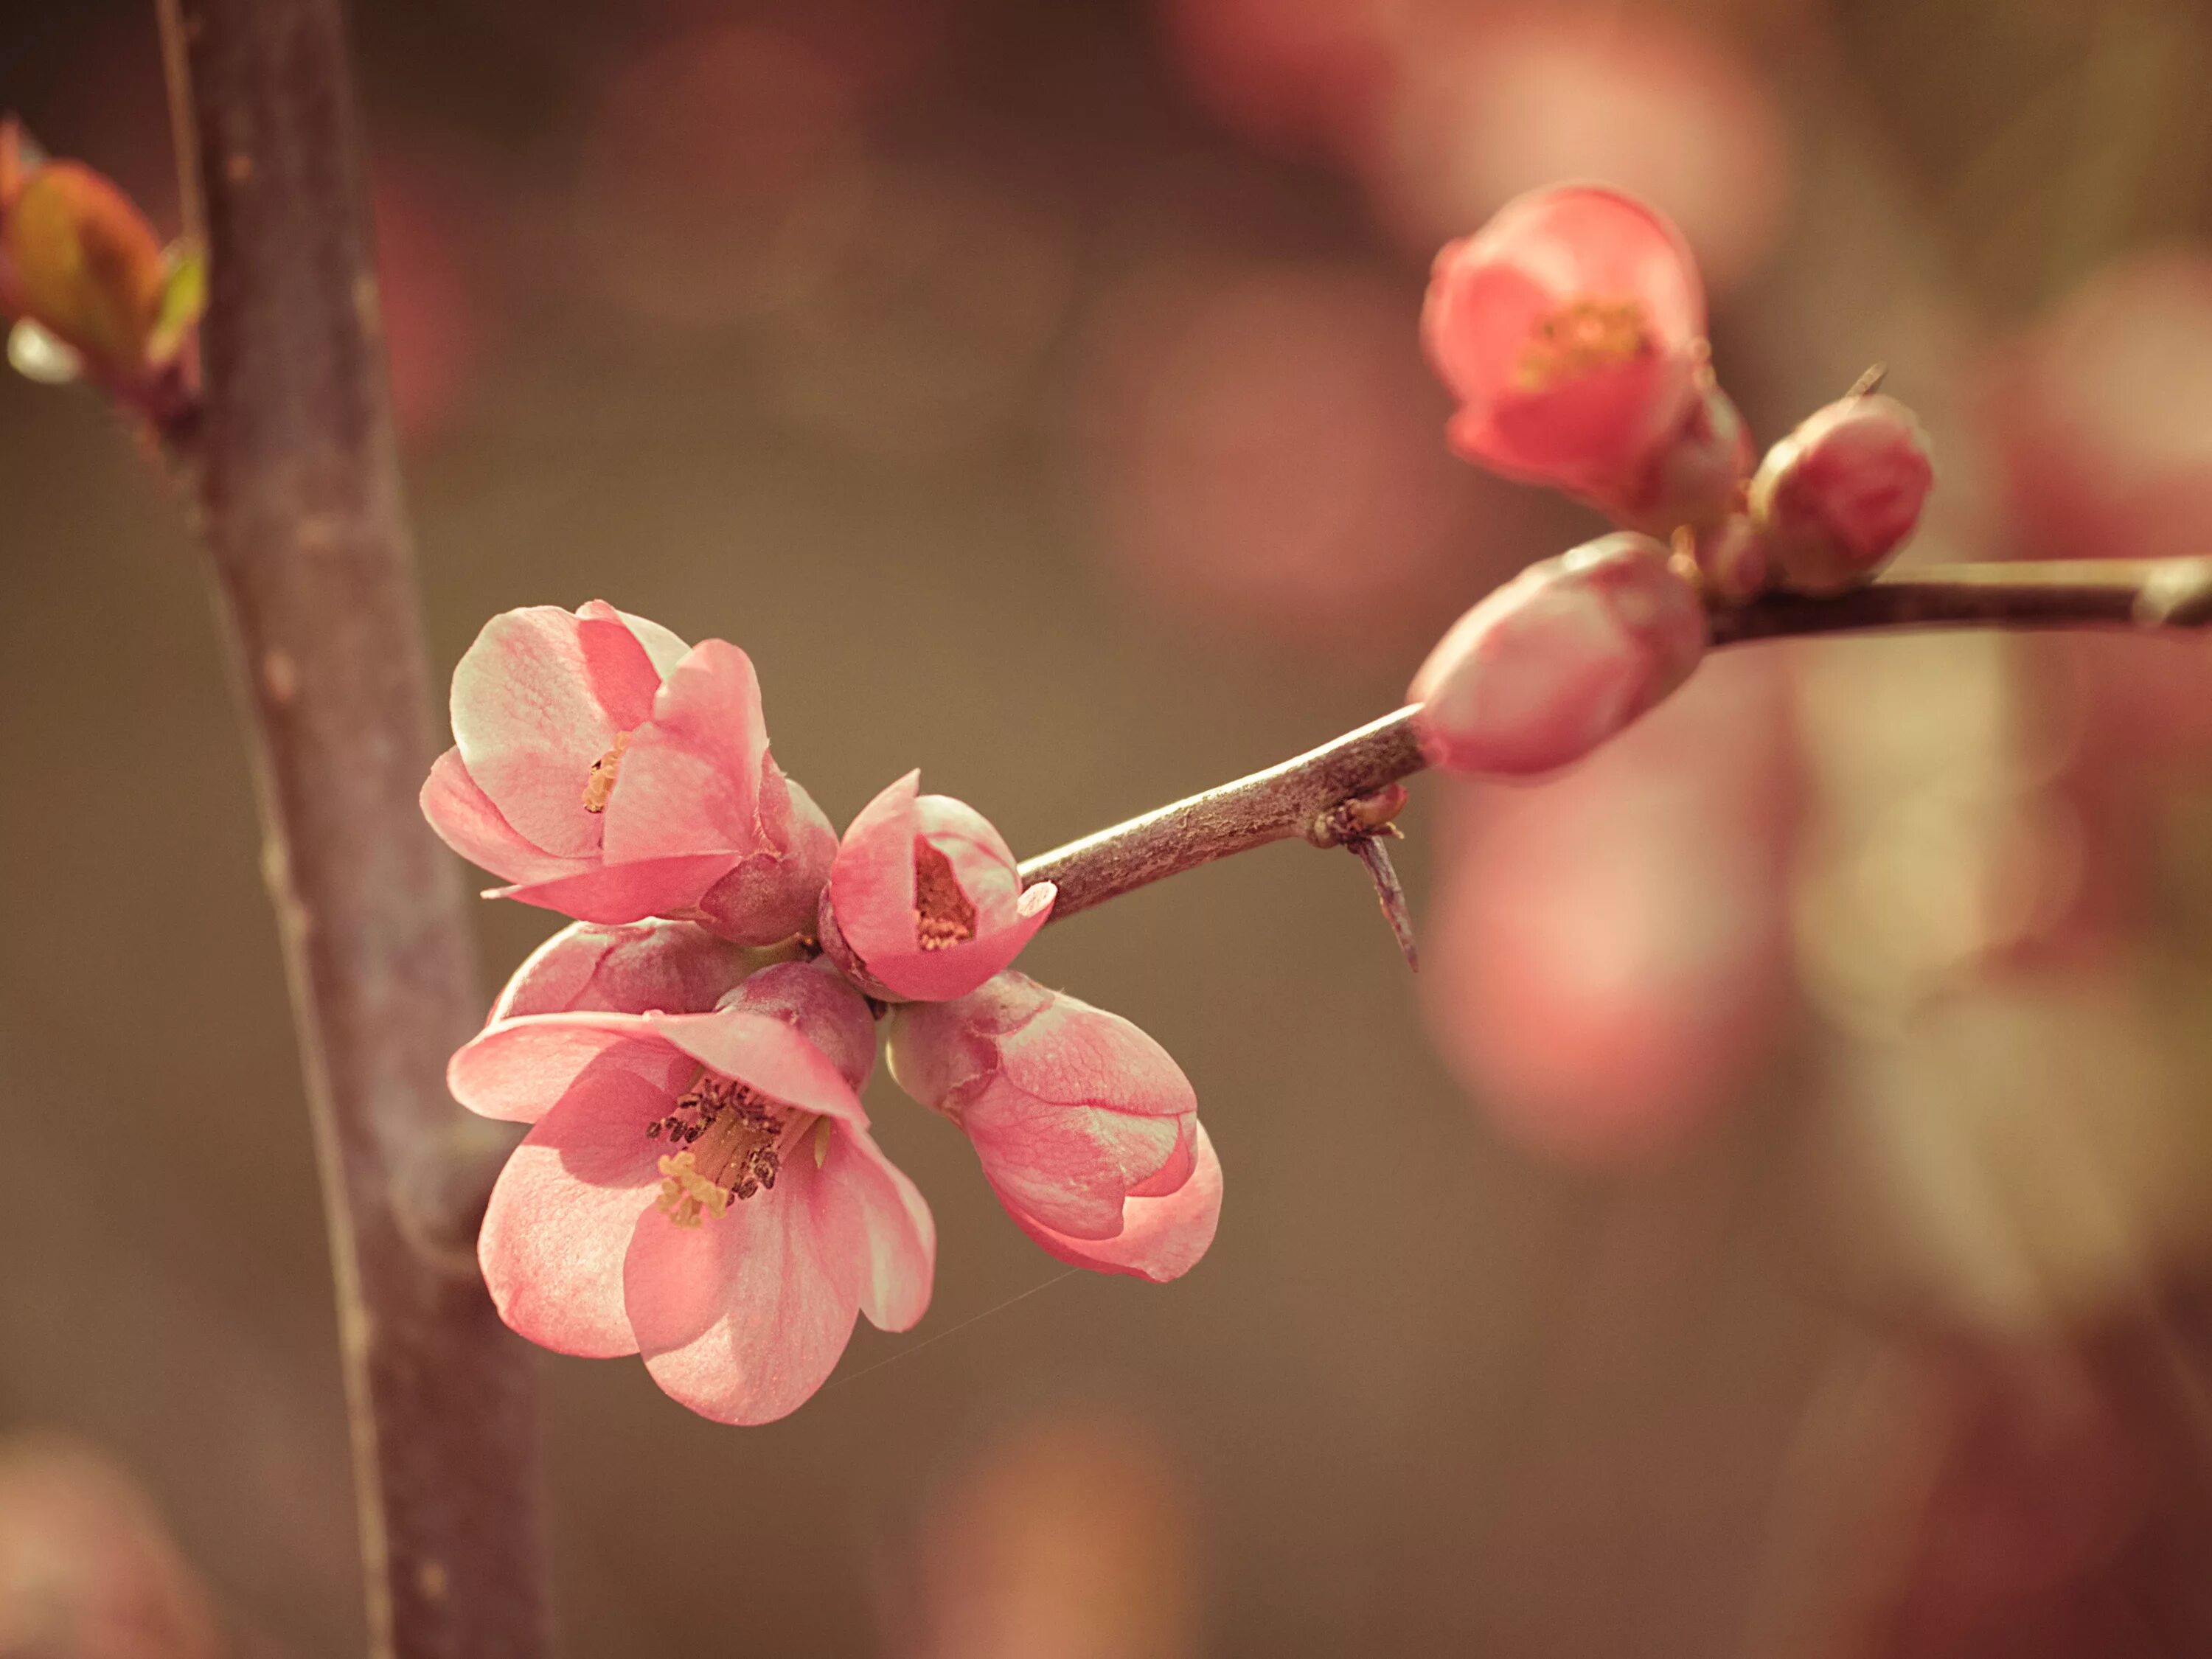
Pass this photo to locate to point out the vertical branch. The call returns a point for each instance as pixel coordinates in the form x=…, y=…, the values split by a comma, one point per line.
x=313, y=579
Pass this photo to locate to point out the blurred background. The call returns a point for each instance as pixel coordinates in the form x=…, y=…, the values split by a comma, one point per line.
x=1776, y=1221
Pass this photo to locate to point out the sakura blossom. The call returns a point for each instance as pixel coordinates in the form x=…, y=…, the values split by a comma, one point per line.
x=1563, y=657
x=1571, y=330
x=610, y=772
x=701, y=1189
x=924, y=902
x=1086, y=1128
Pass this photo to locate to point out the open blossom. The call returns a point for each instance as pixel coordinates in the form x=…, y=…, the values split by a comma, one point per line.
x=923, y=901
x=1086, y=1128
x=1571, y=330
x=699, y=1188
x=611, y=773
x=1560, y=658
x=1841, y=493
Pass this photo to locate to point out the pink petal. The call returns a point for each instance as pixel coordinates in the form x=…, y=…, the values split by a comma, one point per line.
x=662, y=647
x=771, y=896
x=744, y=1315
x=520, y=1069
x=562, y=1214
x=466, y=821
x=773, y=1057
x=883, y=1227
x=690, y=777
x=615, y=893
x=619, y=669
x=528, y=726
x=818, y=1002
x=872, y=881
x=1073, y=1054
x=1161, y=1238
x=670, y=967
x=942, y=975
x=1070, y=1167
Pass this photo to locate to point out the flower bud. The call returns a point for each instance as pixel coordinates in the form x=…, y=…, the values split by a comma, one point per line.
x=1696, y=475
x=1732, y=557
x=1558, y=660
x=635, y=968
x=1571, y=330
x=1086, y=1128
x=924, y=902
x=1841, y=493
x=813, y=998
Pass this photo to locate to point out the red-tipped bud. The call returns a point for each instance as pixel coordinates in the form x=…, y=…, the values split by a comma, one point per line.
x=1840, y=494
x=1558, y=660
x=1571, y=330
x=924, y=902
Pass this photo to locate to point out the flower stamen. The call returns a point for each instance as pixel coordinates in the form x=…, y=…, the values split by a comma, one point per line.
x=1583, y=335
x=944, y=914
x=734, y=1143
x=599, y=781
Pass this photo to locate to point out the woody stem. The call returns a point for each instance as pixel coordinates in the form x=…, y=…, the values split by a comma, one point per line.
x=2147, y=596
x=312, y=571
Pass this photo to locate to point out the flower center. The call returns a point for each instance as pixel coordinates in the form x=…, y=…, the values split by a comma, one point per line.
x=1581, y=336
x=943, y=915
x=599, y=781
x=734, y=1139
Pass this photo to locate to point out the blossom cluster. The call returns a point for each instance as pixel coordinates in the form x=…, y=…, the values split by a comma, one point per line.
x=1571, y=329
x=699, y=1184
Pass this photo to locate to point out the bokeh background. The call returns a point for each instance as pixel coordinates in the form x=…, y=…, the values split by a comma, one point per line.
x=1775, y=1223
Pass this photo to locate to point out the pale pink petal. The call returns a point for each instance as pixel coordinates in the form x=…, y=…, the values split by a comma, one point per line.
x=940, y=975
x=773, y=1057
x=529, y=727
x=669, y=967
x=1180, y=1164
x=690, y=777
x=466, y=821
x=1161, y=1238
x=1071, y=1052
x=880, y=1223
x=818, y=1002
x=871, y=881
x=772, y=894
x=562, y=1213
x=744, y=1316
x=622, y=675
x=626, y=893
x=662, y=647
x=1069, y=1166
x=520, y=1069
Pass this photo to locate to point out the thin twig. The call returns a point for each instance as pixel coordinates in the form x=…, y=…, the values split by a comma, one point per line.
x=1287, y=800
x=313, y=578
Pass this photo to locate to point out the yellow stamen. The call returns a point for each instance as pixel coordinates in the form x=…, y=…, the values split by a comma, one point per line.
x=735, y=1141
x=1581, y=336
x=599, y=781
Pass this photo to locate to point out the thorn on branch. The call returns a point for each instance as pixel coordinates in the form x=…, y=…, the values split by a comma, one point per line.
x=1388, y=892
x=1360, y=825
x=1871, y=382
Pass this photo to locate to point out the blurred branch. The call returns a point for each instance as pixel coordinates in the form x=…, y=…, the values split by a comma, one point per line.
x=1295, y=798
x=313, y=579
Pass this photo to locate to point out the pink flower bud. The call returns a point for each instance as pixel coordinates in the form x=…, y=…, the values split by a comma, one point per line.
x=813, y=998
x=1841, y=493
x=1086, y=1128
x=924, y=902
x=1558, y=660
x=1571, y=330
x=640, y=967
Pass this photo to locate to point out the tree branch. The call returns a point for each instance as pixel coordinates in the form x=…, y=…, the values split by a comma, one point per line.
x=1292, y=799
x=313, y=579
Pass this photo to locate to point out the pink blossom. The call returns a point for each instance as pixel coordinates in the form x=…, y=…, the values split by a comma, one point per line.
x=699, y=1188
x=1841, y=493
x=1560, y=658
x=634, y=967
x=1086, y=1128
x=923, y=901
x=1571, y=330
x=610, y=773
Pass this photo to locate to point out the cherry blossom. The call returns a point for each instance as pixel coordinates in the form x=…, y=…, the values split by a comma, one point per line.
x=699, y=1188
x=924, y=902
x=610, y=772
x=1086, y=1128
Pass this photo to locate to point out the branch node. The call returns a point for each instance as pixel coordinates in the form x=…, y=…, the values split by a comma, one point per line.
x=1360, y=818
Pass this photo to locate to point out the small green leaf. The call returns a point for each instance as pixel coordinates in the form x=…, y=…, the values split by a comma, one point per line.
x=184, y=297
